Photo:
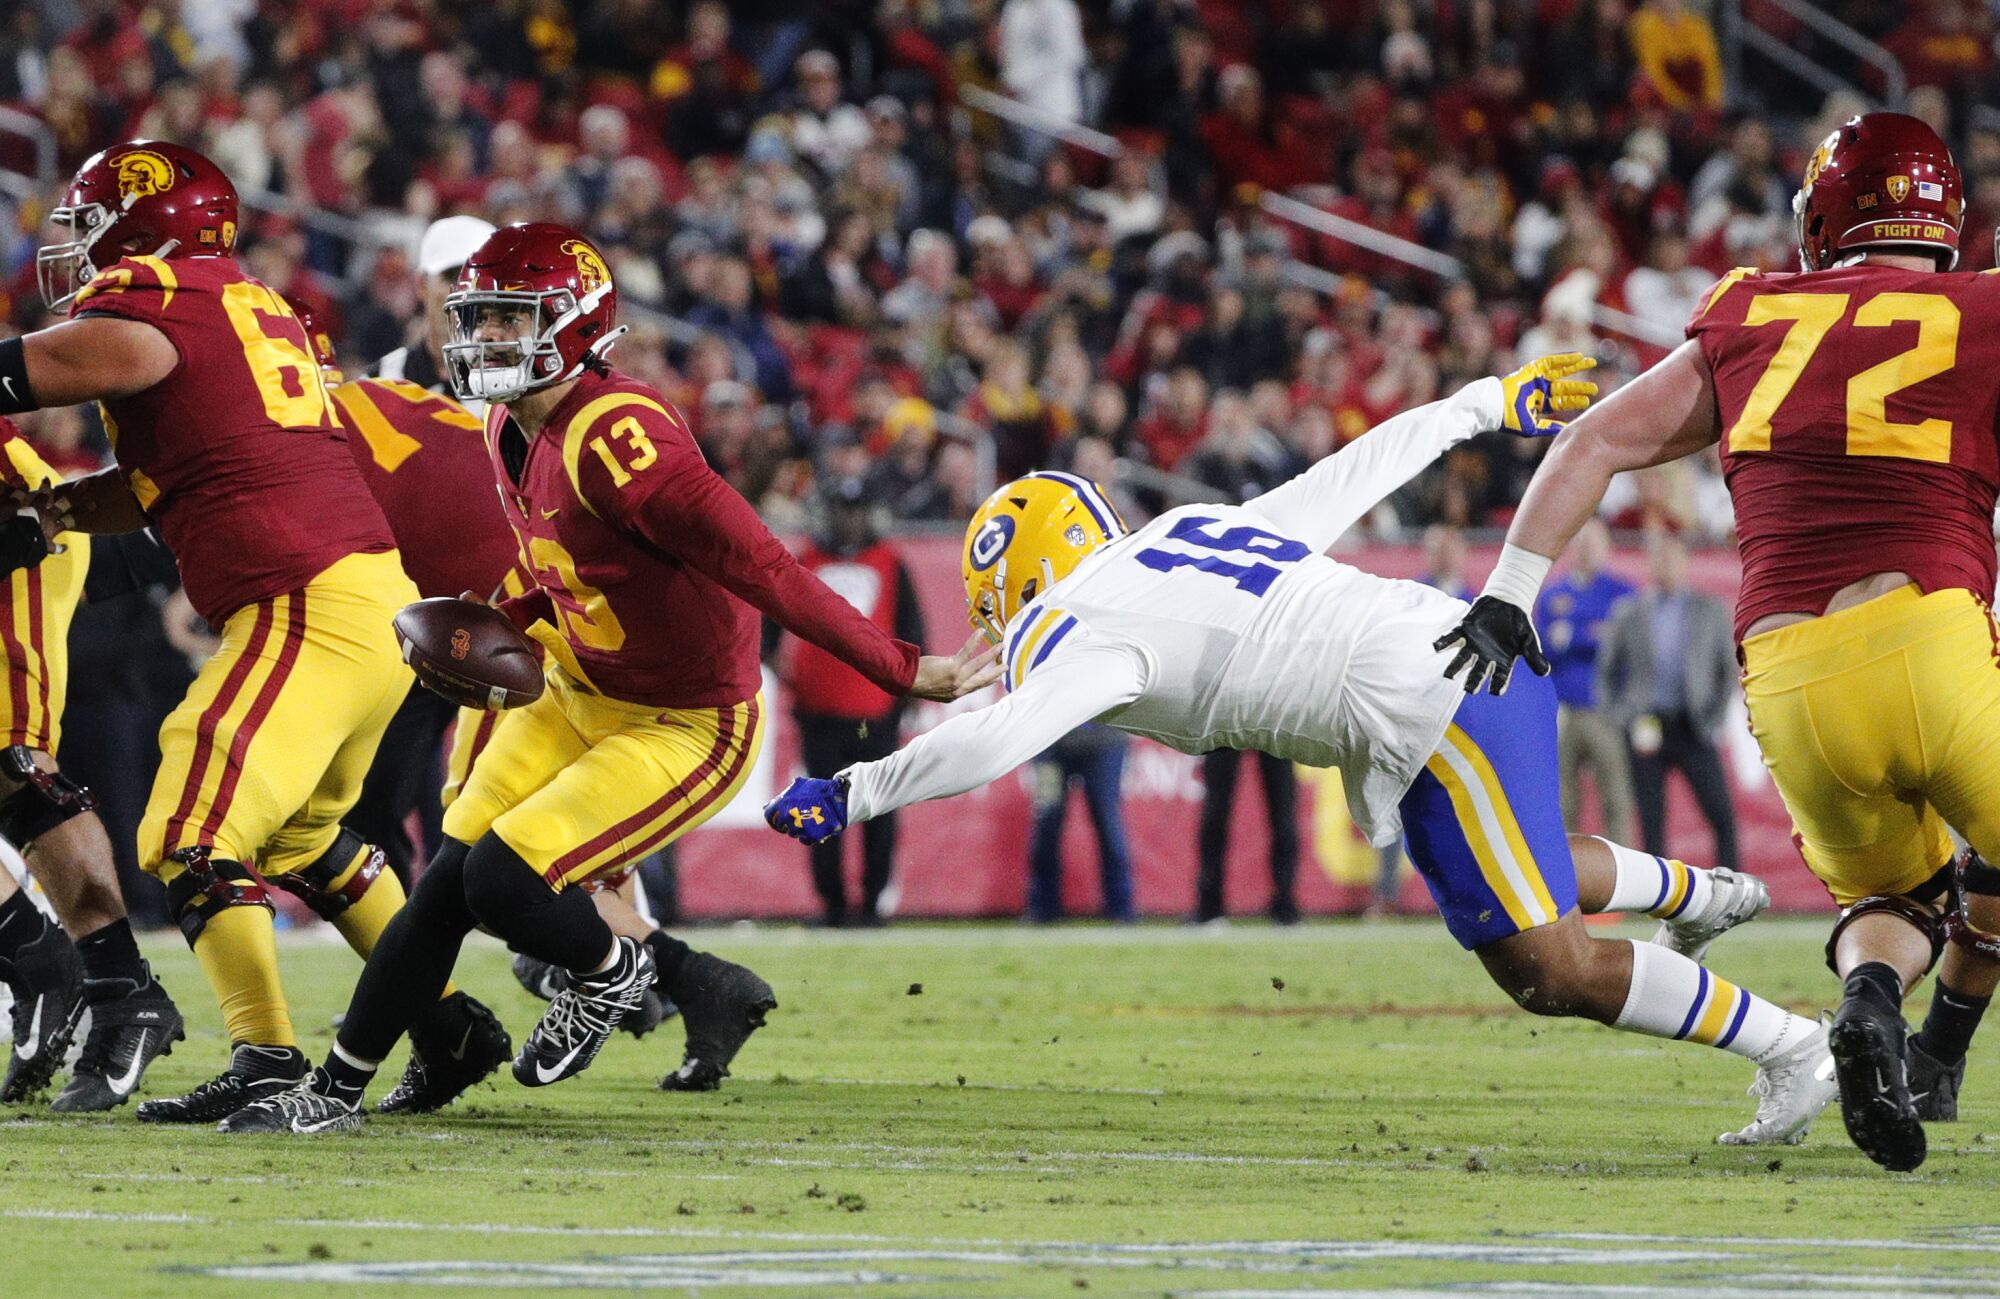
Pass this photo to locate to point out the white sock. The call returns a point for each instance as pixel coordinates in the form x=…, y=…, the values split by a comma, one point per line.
x=1673, y=997
x=353, y=1061
x=1656, y=886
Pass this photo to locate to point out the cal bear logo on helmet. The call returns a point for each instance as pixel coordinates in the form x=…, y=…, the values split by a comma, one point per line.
x=992, y=541
x=591, y=272
x=143, y=172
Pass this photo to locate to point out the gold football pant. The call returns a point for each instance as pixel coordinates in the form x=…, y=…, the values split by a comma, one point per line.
x=1880, y=724
x=264, y=756
x=579, y=784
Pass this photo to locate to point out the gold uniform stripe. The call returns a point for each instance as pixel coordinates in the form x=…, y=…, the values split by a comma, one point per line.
x=168, y=283
x=584, y=420
x=1721, y=1005
x=216, y=765
x=1026, y=654
x=1517, y=842
x=1722, y=286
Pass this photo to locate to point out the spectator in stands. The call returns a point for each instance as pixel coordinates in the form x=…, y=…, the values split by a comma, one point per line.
x=1666, y=290
x=1665, y=673
x=1571, y=616
x=1042, y=61
x=826, y=130
x=1092, y=756
x=1676, y=52
x=842, y=718
x=1178, y=420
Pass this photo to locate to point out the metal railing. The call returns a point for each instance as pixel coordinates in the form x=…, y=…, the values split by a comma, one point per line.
x=1443, y=265
x=1739, y=34
x=1030, y=118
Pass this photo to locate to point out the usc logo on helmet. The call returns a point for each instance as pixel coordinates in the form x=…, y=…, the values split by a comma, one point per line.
x=142, y=173
x=591, y=271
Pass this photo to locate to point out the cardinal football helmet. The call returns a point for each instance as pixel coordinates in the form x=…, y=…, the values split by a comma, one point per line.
x=1882, y=180
x=549, y=293
x=143, y=198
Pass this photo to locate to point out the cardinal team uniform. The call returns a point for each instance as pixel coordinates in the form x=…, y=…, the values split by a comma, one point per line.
x=1859, y=422
x=643, y=558
x=424, y=458
x=238, y=458
x=34, y=622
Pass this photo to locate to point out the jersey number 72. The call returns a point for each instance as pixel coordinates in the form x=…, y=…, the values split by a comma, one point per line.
x=1256, y=578
x=1808, y=318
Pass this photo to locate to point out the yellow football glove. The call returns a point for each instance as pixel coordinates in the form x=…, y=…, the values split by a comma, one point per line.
x=1539, y=389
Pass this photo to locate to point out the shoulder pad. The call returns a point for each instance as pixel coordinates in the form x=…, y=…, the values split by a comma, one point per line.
x=1032, y=639
x=1722, y=286
x=141, y=275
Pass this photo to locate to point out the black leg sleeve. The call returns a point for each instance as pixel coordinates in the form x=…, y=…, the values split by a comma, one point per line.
x=1281, y=801
x=412, y=960
x=510, y=897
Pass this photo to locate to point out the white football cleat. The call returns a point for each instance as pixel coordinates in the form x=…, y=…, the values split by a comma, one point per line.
x=1791, y=1091
x=1733, y=899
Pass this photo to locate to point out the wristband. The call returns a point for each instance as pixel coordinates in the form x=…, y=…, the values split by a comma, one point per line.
x=1517, y=578
x=15, y=394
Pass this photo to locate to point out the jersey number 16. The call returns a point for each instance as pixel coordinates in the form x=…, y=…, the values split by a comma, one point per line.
x=1256, y=578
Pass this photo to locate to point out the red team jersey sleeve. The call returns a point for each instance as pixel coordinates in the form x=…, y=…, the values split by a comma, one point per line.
x=638, y=468
x=1857, y=419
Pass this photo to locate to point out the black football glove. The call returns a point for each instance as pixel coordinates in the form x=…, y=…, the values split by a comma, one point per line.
x=1492, y=635
x=22, y=544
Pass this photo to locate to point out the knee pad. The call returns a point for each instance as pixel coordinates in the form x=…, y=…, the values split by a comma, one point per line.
x=44, y=801
x=1917, y=907
x=313, y=885
x=1976, y=879
x=208, y=886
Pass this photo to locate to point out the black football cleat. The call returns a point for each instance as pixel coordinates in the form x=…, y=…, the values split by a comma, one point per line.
x=453, y=1049
x=582, y=1018
x=48, y=1005
x=539, y=978
x=127, y=1033
x=254, y=1072
x=543, y=980
x=1933, y=1084
x=722, y=1004
x=309, y=1107
x=1866, y=1040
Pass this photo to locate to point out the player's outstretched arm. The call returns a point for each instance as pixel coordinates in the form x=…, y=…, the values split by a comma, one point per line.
x=1666, y=413
x=969, y=750
x=86, y=359
x=1328, y=499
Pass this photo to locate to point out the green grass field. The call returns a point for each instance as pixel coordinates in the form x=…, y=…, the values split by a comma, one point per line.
x=991, y=1111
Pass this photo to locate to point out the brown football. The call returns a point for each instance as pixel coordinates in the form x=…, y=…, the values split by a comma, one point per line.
x=469, y=653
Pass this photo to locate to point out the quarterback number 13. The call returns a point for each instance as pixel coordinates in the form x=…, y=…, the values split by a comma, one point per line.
x=1808, y=318
x=1256, y=578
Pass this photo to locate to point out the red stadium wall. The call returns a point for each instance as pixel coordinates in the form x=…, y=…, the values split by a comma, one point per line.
x=967, y=856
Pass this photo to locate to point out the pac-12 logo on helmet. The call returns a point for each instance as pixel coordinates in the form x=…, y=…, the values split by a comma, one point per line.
x=591, y=272
x=143, y=173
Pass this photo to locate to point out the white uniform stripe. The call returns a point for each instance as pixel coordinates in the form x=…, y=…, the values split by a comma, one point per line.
x=1496, y=835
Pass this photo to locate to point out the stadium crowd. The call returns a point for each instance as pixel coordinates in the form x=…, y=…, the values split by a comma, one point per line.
x=842, y=267
x=856, y=275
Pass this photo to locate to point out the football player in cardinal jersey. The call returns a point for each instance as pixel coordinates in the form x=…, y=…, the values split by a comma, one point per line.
x=227, y=443
x=1856, y=411
x=1227, y=627
x=649, y=574
x=49, y=817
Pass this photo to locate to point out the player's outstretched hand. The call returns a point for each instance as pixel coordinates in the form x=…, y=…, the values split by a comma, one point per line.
x=811, y=811
x=1492, y=635
x=974, y=667
x=1541, y=389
